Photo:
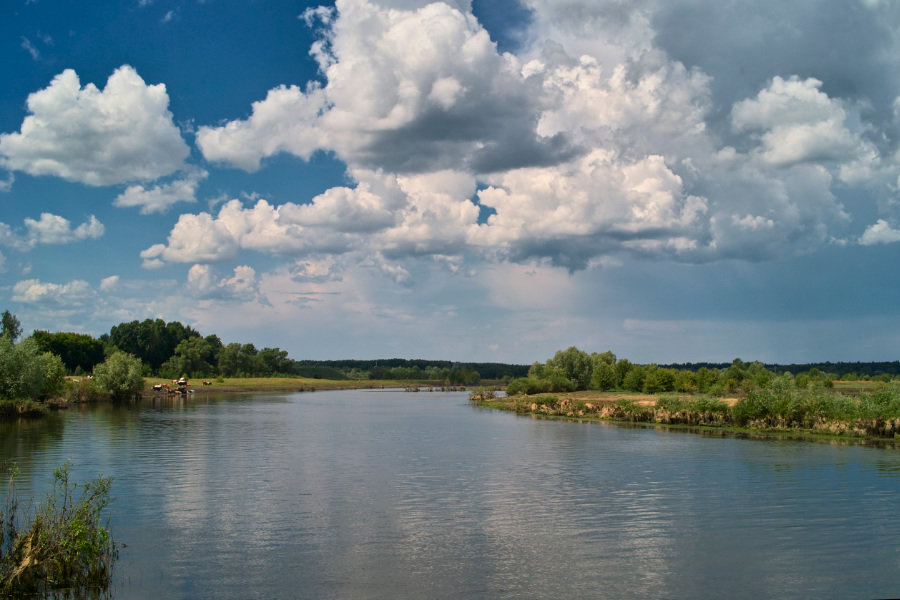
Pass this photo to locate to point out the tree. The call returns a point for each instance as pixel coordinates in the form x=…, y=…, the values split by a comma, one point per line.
x=28, y=373
x=275, y=360
x=120, y=376
x=658, y=380
x=604, y=375
x=634, y=378
x=75, y=349
x=706, y=378
x=576, y=366
x=193, y=357
x=151, y=341
x=10, y=327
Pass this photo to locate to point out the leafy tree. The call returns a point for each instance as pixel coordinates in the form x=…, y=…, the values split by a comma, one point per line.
x=686, y=381
x=658, y=380
x=604, y=376
x=462, y=376
x=576, y=365
x=241, y=360
x=193, y=357
x=77, y=350
x=275, y=360
x=10, y=327
x=28, y=373
x=759, y=374
x=623, y=366
x=120, y=376
x=706, y=379
x=634, y=378
x=151, y=341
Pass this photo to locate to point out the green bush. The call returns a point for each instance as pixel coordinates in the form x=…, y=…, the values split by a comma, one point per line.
x=66, y=546
x=28, y=373
x=120, y=376
x=534, y=385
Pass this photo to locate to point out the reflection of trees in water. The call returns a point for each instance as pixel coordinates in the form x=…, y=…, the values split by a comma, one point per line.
x=21, y=440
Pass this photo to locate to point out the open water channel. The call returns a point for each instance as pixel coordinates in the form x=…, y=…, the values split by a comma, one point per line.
x=381, y=494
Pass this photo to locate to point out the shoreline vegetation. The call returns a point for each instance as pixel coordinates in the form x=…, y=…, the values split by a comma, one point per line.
x=744, y=397
x=47, y=371
x=152, y=358
x=866, y=417
x=60, y=548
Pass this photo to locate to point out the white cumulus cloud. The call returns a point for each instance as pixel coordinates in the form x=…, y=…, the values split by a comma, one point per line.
x=453, y=102
x=880, y=232
x=53, y=229
x=34, y=291
x=98, y=137
x=159, y=198
x=202, y=282
x=603, y=134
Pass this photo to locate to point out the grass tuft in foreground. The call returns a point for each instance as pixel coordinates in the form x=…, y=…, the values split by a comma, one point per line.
x=66, y=548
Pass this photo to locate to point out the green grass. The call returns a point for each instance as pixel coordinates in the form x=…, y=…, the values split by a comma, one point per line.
x=872, y=412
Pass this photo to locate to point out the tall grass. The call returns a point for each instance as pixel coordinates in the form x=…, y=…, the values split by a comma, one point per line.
x=65, y=547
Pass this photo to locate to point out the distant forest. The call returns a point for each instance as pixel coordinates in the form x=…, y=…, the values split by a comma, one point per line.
x=173, y=349
x=843, y=370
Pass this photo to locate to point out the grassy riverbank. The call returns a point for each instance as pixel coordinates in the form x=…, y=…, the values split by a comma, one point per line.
x=868, y=412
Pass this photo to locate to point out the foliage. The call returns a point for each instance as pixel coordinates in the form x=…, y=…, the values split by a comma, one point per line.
x=575, y=365
x=425, y=369
x=312, y=372
x=151, y=341
x=10, y=327
x=658, y=380
x=66, y=546
x=28, y=373
x=194, y=357
x=83, y=389
x=77, y=350
x=120, y=376
x=546, y=378
x=604, y=375
x=456, y=374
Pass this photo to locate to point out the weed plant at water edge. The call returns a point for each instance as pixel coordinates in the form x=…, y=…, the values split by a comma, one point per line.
x=66, y=547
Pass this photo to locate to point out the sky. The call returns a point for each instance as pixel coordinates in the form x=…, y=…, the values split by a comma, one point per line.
x=471, y=180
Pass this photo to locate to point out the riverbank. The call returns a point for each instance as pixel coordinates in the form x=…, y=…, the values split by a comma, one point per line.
x=872, y=415
x=80, y=391
x=291, y=384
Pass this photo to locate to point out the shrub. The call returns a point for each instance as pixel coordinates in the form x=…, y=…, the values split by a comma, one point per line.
x=120, y=376
x=65, y=547
x=534, y=385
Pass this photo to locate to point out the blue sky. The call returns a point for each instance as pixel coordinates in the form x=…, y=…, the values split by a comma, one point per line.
x=676, y=180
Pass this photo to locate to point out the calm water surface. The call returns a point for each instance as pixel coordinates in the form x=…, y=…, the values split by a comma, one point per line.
x=365, y=494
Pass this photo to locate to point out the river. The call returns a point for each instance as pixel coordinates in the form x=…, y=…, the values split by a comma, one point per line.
x=386, y=494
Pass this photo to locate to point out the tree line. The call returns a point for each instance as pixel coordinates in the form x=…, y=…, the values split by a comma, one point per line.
x=172, y=349
x=573, y=370
x=30, y=372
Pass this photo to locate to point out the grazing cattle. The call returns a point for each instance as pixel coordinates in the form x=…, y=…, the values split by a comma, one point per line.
x=207, y=383
x=158, y=387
